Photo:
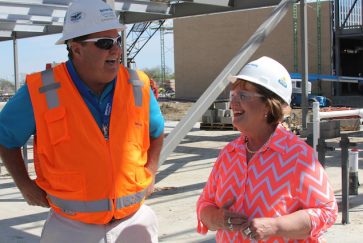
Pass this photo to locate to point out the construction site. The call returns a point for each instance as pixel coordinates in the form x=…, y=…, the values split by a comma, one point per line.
x=319, y=42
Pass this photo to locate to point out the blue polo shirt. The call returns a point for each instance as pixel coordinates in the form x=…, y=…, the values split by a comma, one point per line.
x=17, y=121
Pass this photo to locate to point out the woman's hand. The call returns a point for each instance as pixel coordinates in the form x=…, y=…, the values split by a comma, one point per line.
x=296, y=225
x=261, y=228
x=223, y=218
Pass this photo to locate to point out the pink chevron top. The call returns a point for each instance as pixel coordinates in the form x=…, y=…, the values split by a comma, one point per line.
x=283, y=178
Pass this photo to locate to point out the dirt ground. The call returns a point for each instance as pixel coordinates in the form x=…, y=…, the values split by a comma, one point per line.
x=175, y=110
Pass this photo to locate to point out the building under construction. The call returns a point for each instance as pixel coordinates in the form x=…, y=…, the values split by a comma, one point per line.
x=335, y=45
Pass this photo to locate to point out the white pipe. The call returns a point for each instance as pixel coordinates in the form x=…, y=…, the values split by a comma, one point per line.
x=332, y=114
x=317, y=115
x=353, y=160
x=316, y=126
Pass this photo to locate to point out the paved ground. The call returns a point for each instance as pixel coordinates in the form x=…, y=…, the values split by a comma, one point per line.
x=179, y=183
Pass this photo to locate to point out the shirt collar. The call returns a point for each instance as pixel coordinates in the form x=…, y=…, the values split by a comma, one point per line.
x=277, y=142
x=80, y=83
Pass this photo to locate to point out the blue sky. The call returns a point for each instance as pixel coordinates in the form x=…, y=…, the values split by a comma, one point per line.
x=35, y=52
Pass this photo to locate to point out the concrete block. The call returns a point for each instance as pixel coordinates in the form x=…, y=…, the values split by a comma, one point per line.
x=208, y=113
x=352, y=124
x=222, y=105
x=220, y=113
x=207, y=119
x=328, y=128
x=226, y=120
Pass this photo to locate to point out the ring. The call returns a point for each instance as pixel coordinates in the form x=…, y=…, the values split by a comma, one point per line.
x=229, y=223
x=251, y=236
x=247, y=231
x=230, y=226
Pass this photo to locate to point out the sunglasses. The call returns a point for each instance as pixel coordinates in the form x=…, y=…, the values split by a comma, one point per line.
x=105, y=43
x=243, y=95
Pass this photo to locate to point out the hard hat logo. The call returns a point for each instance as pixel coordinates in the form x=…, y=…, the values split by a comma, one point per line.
x=268, y=73
x=108, y=13
x=85, y=17
x=252, y=65
x=283, y=82
x=76, y=17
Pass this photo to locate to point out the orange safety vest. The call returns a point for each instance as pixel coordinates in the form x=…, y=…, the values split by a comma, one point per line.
x=88, y=178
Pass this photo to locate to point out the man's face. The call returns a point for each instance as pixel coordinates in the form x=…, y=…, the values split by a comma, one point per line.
x=97, y=66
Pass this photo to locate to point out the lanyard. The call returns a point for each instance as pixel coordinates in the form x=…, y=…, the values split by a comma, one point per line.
x=86, y=95
x=106, y=114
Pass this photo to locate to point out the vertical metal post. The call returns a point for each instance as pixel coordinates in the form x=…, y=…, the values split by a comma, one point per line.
x=124, y=48
x=295, y=31
x=304, y=63
x=16, y=70
x=321, y=148
x=316, y=125
x=344, y=145
x=337, y=85
x=162, y=56
x=124, y=39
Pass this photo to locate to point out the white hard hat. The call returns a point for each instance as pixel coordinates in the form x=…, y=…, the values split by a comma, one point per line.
x=85, y=17
x=268, y=73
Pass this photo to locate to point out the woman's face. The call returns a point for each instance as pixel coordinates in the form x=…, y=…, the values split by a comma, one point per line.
x=248, y=108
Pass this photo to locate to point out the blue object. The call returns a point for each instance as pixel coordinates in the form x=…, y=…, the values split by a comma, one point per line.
x=296, y=100
x=17, y=122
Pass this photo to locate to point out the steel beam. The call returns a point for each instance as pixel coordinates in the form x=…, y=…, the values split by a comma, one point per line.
x=221, y=82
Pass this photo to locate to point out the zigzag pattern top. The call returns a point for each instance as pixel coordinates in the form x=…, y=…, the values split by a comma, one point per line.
x=283, y=178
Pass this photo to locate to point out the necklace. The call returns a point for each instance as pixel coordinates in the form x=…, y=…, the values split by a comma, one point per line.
x=249, y=150
x=255, y=151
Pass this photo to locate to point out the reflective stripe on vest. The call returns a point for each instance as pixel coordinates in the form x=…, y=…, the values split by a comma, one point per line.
x=136, y=86
x=78, y=206
x=50, y=88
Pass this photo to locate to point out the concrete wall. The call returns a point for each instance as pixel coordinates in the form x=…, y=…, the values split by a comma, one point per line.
x=204, y=45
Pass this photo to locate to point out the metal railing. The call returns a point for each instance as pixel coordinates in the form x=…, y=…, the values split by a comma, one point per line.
x=350, y=14
x=320, y=145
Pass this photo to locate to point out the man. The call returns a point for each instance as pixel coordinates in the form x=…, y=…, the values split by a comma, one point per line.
x=98, y=132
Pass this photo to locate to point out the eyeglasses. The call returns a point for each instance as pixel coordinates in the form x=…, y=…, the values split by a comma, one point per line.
x=243, y=95
x=105, y=43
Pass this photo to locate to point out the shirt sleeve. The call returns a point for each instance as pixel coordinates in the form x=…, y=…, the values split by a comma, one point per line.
x=17, y=121
x=207, y=197
x=156, y=118
x=315, y=193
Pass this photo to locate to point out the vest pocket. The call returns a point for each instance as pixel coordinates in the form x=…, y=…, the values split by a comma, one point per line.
x=138, y=133
x=143, y=177
x=57, y=125
x=72, y=184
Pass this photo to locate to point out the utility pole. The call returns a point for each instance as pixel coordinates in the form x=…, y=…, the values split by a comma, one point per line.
x=304, y=63
x=162, y=57
x=163, y=30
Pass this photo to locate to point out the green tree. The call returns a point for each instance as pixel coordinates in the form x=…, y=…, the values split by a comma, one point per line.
x=155, y=73
x=6, y=86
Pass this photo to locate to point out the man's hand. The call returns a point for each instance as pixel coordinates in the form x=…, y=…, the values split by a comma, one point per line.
x=14, y=163
x=150, y=188
x=34, y=195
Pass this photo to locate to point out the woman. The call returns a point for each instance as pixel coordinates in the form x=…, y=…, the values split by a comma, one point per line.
x=267, y=185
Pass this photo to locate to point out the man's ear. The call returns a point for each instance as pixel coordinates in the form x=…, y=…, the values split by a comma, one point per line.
x=76, y=48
